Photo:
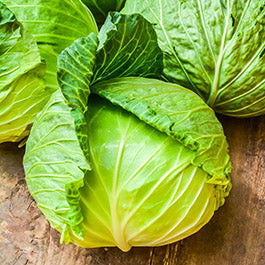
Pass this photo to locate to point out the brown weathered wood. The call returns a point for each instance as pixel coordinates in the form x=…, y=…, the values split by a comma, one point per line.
x=235, y=235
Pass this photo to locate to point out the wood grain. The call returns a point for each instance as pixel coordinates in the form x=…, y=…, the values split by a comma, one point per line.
x=235, y=235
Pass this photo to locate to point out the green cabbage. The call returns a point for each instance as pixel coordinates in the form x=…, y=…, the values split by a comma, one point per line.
x=141, y=187
x=32, y=31
x=122, y=160
x=22, y=90
x=215, y=48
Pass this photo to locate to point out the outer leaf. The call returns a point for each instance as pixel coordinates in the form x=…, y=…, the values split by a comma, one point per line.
x=54, y=25
x=128, y=47
x=75, y=69
x=100, y=8
x=53, y=163
x=215, y=48
x=179, y=113
x=22, y=93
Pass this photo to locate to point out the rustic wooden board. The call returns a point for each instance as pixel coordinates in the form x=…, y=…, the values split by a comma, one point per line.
x=235, y=235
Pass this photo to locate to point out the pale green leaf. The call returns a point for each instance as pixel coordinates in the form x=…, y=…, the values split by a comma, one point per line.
x=54, y=164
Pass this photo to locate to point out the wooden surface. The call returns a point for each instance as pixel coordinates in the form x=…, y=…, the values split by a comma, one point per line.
x=235, y=235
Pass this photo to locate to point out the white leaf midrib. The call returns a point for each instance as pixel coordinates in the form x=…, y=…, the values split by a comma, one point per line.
x=215, y=84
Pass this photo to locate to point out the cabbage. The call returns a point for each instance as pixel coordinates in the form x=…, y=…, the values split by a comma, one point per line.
x=215, y=48
x=33, y=34
x=22, y=90
x=119, y=158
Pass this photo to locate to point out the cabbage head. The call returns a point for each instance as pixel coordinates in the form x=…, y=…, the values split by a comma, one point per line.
x=119, y=158
x=33, y=33
x=216, y=48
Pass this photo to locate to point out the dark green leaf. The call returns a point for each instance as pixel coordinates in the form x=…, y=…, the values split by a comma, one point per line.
x=75, y=69
x=128, y=47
